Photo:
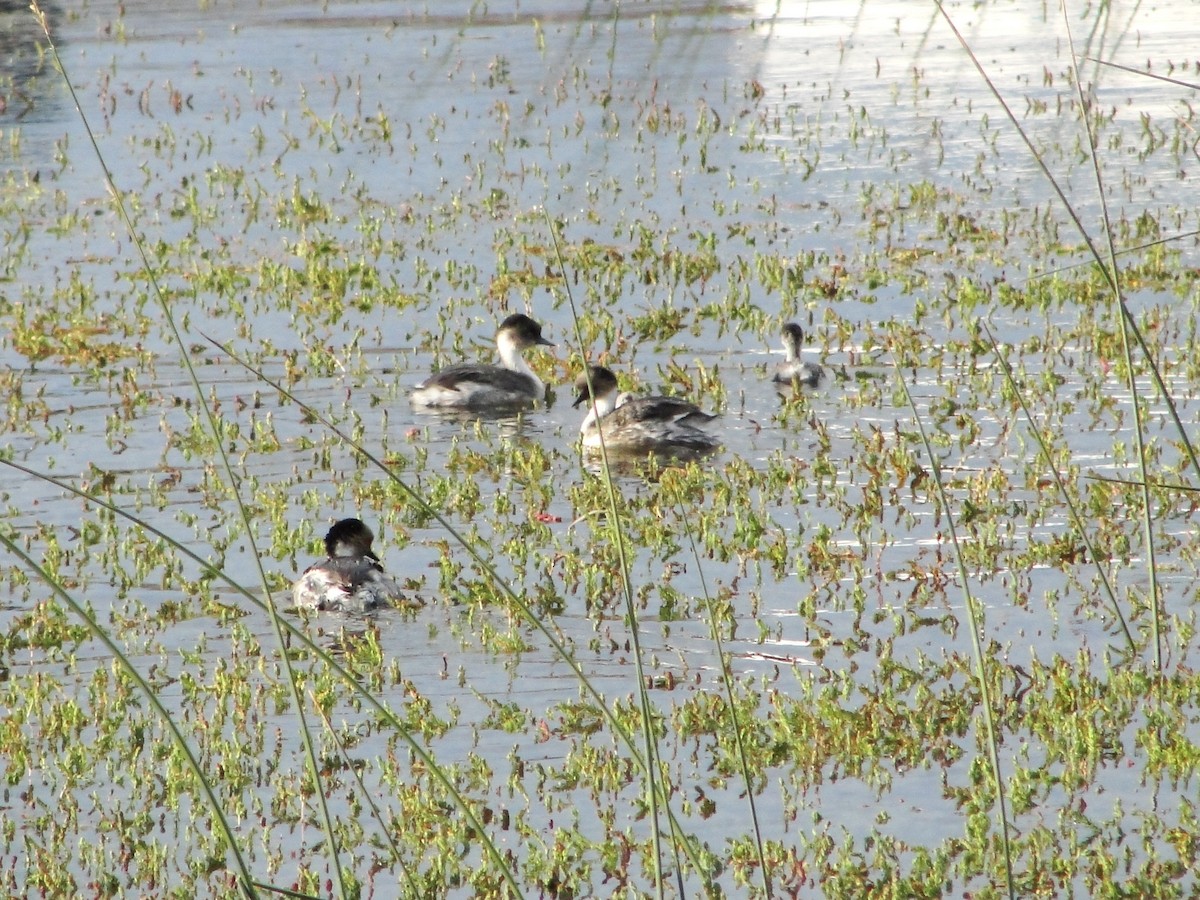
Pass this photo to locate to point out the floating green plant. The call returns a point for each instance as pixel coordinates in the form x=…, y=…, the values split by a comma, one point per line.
x=617, y=669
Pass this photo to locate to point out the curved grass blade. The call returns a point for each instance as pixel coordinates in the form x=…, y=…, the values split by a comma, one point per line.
x=376, y=813
x=299, y=635
x=653, y=768
x=1127, y=325
x=1130, y=250
x=727, y=682
x=975, y=621
x=1158, y=485
x=286, y=892
x=214, y=431
x=148, y=692
x=1076, y=518
x=1191, y=85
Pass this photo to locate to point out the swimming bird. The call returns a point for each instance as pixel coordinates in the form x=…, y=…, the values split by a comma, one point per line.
x=481, y=387
x=639, y=424
x=350, y=578
x=793, y=371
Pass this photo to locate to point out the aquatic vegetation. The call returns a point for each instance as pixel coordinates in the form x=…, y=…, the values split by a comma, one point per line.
x=762, y=673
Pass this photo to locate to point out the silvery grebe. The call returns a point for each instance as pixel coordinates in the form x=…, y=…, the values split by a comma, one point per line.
x=639, y=424
x=482, y=387
x=793, y=371
x=350, y=578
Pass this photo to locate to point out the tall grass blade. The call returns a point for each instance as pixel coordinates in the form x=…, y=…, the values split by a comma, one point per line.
x=1126, y=349
x=147, y=690
x=650, y=745
x=1077, y=519
x=727, y=682
x=975, y=626
x=216, y=433
x=368, y=795
x=1191, y=85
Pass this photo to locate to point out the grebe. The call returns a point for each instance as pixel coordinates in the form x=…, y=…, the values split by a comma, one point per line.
x=792, y=371
x=350, y=578
x=630, y=424
x=482, y=387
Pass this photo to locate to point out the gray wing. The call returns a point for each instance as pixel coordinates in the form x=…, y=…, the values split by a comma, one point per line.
x=659, y=409
x=366, y=581
x=353, y=571
x=469, y=374
x=806, y=374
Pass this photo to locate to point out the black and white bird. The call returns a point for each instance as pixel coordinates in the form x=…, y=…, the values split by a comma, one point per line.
x=793, y=371
x=482, y=387
x=628, y=424
x=350, y=578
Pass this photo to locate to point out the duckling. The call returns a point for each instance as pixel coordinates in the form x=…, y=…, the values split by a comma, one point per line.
x=793, y=371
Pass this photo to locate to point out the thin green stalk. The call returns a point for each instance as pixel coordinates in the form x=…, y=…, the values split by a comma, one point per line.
x=1158, y=485
x=1131, y=250
x=1126, y=349
x=310, y=752
x=216, y=432
x=286, y=892
x=1191, y=85
x=975, y=624
x=1076, y=518
x=612, y=48
x=727, y=681
x=376, y=813
x=298, y=635
x=147, y=690
x=653, y=768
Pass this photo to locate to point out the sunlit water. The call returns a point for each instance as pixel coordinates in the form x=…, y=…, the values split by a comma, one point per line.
x=496, y=121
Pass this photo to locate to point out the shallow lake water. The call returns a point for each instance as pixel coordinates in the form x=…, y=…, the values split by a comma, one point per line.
x=346, y=196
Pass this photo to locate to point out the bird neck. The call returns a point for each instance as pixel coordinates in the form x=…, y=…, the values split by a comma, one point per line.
x=511, y=358
x=599, y=408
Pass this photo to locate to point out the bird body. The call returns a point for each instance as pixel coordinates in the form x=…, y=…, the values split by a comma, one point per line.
x=793, y=371
x=482, y=387
x=639, y=424
x=350, y=578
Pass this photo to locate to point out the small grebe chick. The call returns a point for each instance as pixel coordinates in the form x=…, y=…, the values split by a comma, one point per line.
x=793, y=371
x=350, y=578
x=629, y=424
x=482, y=387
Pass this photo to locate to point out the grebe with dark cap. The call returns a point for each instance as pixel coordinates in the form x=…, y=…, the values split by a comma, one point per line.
x=480, y=387
x=350, y=578
x=793, y=371
x=639, y=424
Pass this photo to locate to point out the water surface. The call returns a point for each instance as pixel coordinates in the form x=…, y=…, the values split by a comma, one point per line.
x=347, y=197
